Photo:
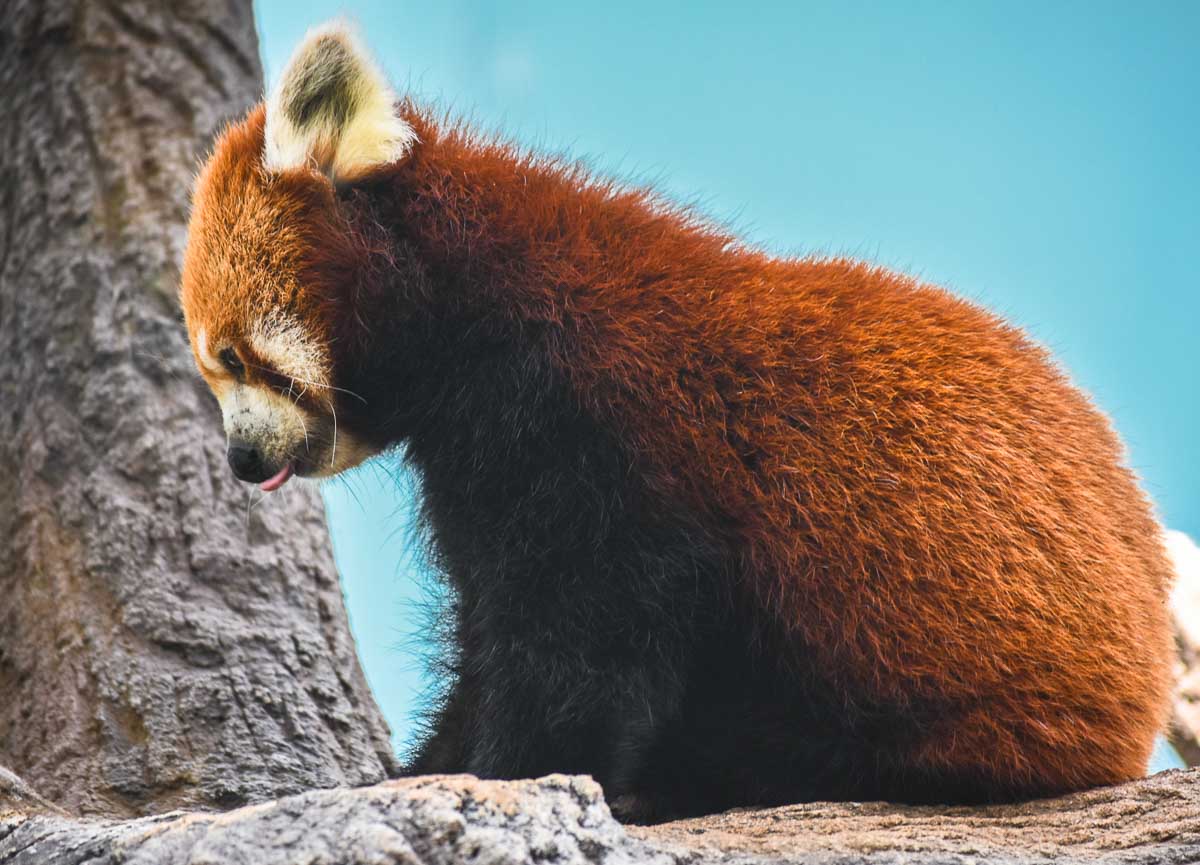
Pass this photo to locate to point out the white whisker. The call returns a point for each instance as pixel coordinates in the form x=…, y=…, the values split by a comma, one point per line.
x=303, y=426
x=299, y=414
x=315, y=384
x=320, y=386
x=338, y=389
x=333, y=456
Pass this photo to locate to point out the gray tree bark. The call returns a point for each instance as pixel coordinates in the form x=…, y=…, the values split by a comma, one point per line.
x=164, y=641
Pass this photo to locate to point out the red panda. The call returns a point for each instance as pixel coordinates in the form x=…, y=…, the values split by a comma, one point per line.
x=720, y=528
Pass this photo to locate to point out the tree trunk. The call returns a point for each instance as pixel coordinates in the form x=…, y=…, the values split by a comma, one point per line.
x=165, y=639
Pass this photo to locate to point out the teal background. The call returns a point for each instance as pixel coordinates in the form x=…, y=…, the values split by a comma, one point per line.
x=1041, y=158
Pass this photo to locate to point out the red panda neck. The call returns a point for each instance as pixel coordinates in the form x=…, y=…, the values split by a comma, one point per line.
x=539, y=239
x=529, y=264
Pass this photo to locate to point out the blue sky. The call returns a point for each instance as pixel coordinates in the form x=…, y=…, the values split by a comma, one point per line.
x=1043, y=159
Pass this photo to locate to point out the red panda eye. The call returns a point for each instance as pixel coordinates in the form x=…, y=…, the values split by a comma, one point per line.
x=231, y=361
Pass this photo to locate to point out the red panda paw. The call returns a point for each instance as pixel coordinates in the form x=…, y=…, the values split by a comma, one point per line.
x=642, y=809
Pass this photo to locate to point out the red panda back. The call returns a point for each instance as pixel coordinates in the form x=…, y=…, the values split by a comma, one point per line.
x=924, y=504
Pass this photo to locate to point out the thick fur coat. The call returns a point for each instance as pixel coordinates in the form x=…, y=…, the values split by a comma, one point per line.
x=721, y=528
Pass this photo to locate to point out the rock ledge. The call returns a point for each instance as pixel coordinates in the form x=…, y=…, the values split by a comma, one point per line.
x=561, y=819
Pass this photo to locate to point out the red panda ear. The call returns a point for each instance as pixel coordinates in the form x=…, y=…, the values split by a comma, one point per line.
x=333, y=110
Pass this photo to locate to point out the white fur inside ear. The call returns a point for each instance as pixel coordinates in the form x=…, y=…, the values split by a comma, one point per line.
x=333, y=109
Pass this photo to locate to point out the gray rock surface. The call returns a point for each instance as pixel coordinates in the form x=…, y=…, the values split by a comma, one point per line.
x=1155, y=820
x=16, y=795
x=166, y=639
x=441, y=820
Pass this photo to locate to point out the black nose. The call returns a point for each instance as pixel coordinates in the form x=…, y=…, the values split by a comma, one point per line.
x=246, y=462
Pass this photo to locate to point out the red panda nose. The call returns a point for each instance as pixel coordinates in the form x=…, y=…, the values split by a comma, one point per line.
x=246, y=462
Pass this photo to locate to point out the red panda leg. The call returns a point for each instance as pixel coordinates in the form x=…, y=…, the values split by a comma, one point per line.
x=443, y=751
x=549, y=708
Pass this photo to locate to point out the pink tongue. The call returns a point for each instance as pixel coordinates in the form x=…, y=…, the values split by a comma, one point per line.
x=274, y=483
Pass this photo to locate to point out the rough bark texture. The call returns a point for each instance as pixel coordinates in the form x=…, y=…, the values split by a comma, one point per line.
x=163, y=643
x=456, y=819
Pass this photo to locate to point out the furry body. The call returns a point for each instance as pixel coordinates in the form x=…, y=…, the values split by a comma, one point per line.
x=722, y=529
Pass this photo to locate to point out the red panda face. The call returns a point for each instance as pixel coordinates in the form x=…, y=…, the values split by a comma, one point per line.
x=269, y=260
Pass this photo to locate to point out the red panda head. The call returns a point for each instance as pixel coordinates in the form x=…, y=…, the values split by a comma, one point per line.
x=269, y=258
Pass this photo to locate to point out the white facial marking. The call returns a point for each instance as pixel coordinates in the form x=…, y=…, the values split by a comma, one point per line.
x=284, y=343
x=268, y=420
x=283, y=431
x=202, y=350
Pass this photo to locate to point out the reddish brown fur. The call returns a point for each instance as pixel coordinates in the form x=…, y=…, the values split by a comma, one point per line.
x=914, y=497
